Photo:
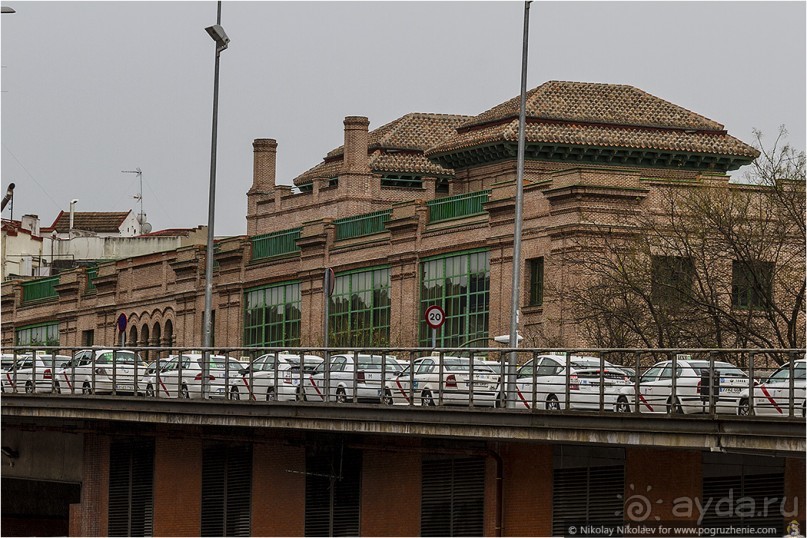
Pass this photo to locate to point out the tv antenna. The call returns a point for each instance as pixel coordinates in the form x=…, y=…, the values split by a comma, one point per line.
x=138, y=196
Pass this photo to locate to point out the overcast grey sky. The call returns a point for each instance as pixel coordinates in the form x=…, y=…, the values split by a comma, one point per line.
x=94, y=88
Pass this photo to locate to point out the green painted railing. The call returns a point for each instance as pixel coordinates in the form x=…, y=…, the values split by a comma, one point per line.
x=38, y=290
x=360, y=225
x=275, y=244
x=461, y=205
x=91, y=274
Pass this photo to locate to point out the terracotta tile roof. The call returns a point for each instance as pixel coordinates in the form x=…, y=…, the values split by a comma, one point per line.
x=592, y=114
x=91, y=221
x=171, y=232
x=397, y=147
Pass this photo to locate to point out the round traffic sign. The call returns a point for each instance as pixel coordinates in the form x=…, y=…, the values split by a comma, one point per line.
x=435, y=317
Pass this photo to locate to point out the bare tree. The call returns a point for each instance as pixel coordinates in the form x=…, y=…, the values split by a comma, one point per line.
x=706, y=264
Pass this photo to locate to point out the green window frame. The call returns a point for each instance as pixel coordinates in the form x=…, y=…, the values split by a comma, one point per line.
x=537, y=281
x=42, y=334
x=272, y=315
x=459, y=283
x=359, y=310
x=751, y=284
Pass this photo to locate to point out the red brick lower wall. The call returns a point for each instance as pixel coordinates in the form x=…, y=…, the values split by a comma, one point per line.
x=177, y=486
x=527, y=492
x=95, y=487
x=390, y=493
x=653, y=475
x=278, y=496
x=795, y=490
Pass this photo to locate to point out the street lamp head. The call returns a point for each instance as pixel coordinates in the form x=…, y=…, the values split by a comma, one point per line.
x=74, y=201
x=219, y=35
x=7, y=9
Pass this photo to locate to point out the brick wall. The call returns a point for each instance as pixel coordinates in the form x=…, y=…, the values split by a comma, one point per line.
x=278, y=495
x=662, y=475
x=177, y=486
x=390, y=494
x=527, y=492
x=95, y=487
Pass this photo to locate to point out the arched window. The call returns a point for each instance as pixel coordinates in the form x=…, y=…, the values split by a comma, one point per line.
x=156, y=339
x=169, y=334
x=133, y=336
x=144, y=335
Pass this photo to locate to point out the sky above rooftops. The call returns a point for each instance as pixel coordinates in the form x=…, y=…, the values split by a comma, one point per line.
x=94, y=88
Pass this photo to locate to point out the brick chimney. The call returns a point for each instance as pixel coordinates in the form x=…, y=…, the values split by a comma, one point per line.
x=356, y=160
x=264, y=152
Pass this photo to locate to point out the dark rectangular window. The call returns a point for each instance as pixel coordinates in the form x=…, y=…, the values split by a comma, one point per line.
x=131, y=496
x=88, y=338
x=453, y=497
x=226, y=490
x=745, y=491
x=751, y=284
x=536, y=281
x=671, y=279
x=332, y=491
x=587, y=487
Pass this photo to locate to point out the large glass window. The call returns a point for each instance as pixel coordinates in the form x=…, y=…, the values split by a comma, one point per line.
x=272, y=316
x=46, y=334
x=360, y=308
x=460, y=285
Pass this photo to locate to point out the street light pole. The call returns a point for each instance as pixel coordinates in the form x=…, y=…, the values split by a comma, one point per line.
x=516, y=297
x=217, y=33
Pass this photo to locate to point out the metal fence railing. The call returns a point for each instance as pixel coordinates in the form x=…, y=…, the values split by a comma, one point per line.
x=40, y=289
x=460, y=205
x=767, y=383
x=362, y=225
x=275, y=244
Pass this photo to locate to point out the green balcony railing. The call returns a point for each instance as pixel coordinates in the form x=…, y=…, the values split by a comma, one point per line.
x=275, y=244
x=360, y=225
x=454, y=207
x=39, y=290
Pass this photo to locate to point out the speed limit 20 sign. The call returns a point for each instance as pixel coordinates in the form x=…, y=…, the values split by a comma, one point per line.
x=435, y=317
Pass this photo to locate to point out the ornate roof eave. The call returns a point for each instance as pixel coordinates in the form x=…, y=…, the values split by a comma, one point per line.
x=542, y=151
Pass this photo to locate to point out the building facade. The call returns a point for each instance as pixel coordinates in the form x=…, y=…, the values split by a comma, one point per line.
x=417, y=212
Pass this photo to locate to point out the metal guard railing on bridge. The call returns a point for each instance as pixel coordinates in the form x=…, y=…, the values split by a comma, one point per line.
x=766, y=383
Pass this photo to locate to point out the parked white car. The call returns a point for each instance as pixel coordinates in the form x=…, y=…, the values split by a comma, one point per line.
x=98, y=371
x=181, y=377
x=274, y=376
x=542, y=382
x=691, y=393
x=32, y=374
x=772, y=396
x=445, y=380
x=345, y=376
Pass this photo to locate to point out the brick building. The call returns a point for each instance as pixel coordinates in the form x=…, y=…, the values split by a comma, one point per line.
x=417, y=212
